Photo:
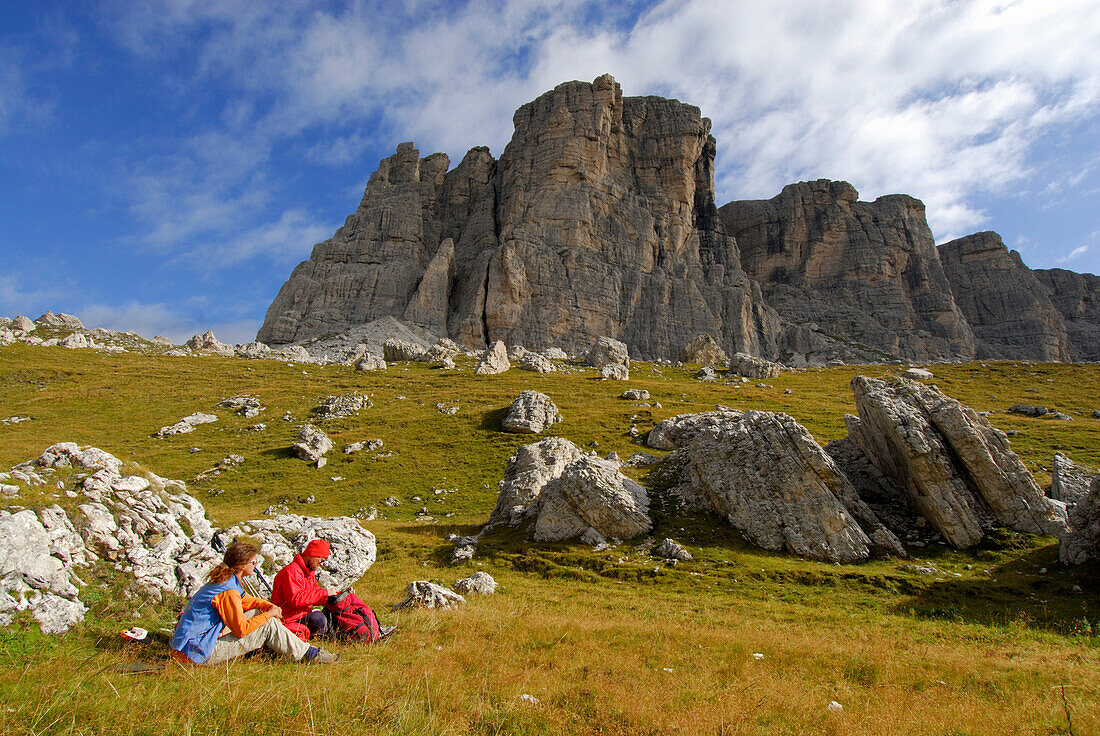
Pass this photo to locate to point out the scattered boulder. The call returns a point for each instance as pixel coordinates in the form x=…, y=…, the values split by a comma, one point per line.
x=1029, y=411
x=1082, y=542
x=370, y=363
x=444, y=349
x=187, y=424
x=494, y=360
x=615, y=373
x=422, y=594
x=959, y=471
x=353, y=548
x=76, y=341
x=607, y=351
x=641, y=459
x=918, y=374
x=529, y=469
x=555, y=354
x=707, y=374
x=670, y=550
x=591, y=493
x=765, y=473
x=480, y=582
x=1069, y=482
x=674, y=431
x=532, y=361
x=635, y=394
x=22, y=324
x=312, y=444
x=743, y=364
x=515, y=352
x=394, y=350
x=243, y=404
x=531, y=413
x=340, y=407
x=703, y=350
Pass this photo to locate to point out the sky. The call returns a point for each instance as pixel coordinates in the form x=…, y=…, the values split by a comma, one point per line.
x=164, y=165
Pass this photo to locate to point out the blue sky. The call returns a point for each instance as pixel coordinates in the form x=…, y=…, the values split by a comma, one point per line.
x=165, y=164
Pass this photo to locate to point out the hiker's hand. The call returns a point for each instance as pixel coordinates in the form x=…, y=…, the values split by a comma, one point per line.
x=276, y=612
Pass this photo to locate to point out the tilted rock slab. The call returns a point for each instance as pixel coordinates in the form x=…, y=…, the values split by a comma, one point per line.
x=531, y=413
x=774, y=483
x=1069, y=482
x=353, y=548
x=591, y=494
x=528, y=470
x=960, y=472
x=1082, y=542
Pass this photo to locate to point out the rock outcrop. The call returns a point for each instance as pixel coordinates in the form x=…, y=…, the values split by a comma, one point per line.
x=423, y=594
x=854, y=280
x=611, y=195
x=959, y=471
x=1008, y=308
x=1069, y=483
x=494, y=360
x=768, y=477
x=703, y=350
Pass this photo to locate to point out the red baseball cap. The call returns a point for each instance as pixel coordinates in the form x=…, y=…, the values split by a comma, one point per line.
x=317, y=548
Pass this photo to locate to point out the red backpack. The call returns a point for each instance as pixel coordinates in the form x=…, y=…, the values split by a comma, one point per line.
x=352, y=619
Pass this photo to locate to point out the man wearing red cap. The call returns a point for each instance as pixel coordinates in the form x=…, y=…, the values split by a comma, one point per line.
x=296, y=591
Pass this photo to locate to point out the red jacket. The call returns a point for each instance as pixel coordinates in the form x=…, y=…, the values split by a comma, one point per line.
x=296, y=591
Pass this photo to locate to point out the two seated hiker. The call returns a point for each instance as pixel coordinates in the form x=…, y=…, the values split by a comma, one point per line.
x=221, y=622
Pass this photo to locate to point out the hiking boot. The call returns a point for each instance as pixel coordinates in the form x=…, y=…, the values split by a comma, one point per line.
x=384, y=631
x=323, y=657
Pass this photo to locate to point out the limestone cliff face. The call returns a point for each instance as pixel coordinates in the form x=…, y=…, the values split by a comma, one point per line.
x=849, y=275
x=599, y=219
x=1077, y=297
x=1007, y=306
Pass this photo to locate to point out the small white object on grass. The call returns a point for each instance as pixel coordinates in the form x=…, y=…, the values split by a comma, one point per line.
x=757, y=656
x=835, y=707
x=529, y=699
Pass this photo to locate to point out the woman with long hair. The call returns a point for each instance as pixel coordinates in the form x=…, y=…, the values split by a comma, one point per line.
x=221, y=622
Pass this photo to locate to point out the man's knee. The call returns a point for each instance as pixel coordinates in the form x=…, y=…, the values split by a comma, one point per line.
x=316, y=622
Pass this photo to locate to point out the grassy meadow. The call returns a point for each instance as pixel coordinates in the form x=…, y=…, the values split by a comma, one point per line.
x=611, y=642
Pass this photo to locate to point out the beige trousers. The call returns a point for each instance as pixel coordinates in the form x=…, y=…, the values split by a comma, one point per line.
x=272, y=634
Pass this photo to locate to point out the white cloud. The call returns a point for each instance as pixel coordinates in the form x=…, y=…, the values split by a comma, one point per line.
x=1074, y=254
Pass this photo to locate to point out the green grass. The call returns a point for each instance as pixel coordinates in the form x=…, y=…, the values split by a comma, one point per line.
x=976, y=649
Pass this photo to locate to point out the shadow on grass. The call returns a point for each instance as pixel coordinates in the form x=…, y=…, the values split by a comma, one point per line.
x=278, y=453
x=491, y=420
x=1016, y=592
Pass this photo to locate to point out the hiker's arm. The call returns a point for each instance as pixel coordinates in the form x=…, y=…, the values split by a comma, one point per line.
x=231, y=608
x=303, y=591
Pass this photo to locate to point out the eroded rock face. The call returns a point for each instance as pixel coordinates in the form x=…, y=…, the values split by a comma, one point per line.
x=765, y=473
x=312, y=445
x=531, y=413
x=671, y=433
x=959, y=471
x=1069, y=482
x=1008, y=308
x=1077, y=297
x=613, y=196
x=847, y=274
x=591, y=494
x=1082, y=543
x=33, y=578
x=608, y=351
x=528, y=470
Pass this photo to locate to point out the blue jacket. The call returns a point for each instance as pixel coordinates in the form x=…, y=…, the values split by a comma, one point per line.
x=213, y=608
